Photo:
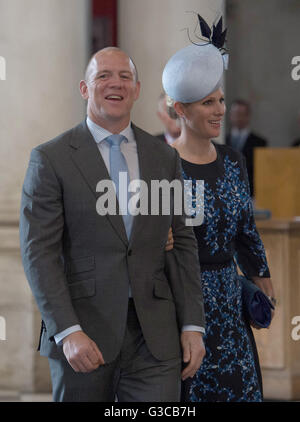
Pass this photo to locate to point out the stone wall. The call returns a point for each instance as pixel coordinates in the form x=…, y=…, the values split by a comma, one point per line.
x=151, y=32
x=263, y=37
x=45, y=48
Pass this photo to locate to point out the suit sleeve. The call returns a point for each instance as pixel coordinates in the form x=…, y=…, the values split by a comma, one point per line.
x=250, y=253
x=41, y=233
x=183, y=269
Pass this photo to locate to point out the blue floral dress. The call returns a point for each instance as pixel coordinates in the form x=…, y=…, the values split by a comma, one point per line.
x=230, y=370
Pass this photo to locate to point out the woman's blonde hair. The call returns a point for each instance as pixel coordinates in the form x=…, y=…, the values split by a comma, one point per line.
x=170, y=108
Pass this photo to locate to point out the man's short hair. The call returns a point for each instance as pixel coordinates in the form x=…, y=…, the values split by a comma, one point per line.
x=86, y=77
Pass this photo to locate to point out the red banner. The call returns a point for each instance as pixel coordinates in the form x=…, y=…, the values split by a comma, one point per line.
x=104, y=24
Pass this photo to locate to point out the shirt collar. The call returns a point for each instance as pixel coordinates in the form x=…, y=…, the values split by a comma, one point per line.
x=169, y=138
x=99, y=133
x=243, y=132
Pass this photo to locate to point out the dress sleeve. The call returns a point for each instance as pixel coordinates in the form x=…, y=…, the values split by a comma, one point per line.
x=249, y=249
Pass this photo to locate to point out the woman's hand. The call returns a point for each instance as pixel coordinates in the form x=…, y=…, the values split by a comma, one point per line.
x=170, y=241
x=255, y=326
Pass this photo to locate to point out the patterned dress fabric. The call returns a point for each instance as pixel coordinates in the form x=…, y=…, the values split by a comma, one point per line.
x=230, y=370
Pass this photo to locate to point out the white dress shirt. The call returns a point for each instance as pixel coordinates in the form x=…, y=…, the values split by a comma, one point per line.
x=169, y=138
x=239, y=137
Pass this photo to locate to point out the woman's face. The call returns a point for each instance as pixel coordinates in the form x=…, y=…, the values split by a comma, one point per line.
x=204, y=117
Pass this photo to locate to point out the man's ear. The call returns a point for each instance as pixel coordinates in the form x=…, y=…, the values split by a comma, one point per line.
x=138, y=88
x=84, y=90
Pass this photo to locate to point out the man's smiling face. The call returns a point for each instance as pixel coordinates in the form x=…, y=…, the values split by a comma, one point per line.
x=111, y=88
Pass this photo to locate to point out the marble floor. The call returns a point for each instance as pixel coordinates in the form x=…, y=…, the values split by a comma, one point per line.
x=15, y=396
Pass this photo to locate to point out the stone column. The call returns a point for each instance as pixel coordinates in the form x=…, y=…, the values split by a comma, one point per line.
x=151, y=32
x=44, y=45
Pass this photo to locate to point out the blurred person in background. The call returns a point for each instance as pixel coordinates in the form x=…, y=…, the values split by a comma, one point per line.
x=296, y=142
x=169, y=119
x=241, y=138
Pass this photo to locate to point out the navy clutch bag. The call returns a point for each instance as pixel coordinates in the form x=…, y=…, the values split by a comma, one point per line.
x=256, y=304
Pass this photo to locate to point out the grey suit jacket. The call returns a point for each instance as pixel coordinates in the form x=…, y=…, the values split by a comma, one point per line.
x=79, y=263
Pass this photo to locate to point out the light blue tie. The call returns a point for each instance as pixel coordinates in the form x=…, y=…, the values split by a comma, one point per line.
x=118, y=164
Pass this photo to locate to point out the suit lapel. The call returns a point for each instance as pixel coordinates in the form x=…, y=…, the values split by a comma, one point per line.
x=146, y=165
x=88, y=159
x=246, y=144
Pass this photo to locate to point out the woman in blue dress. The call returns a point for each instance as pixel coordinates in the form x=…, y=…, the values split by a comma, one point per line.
x=228, y=235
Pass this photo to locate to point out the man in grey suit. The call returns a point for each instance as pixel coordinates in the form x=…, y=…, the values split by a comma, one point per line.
x=113, y=322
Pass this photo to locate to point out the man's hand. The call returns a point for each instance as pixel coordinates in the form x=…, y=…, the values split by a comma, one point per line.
x=193, y=352
x=170, y=241
x=81, y=352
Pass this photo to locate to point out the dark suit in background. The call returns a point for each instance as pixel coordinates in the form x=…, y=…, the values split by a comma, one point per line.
x=161, y=136
x=241, y=137
x=253, y=141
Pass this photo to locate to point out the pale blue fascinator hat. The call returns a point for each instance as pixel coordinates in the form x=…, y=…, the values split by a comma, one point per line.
x=196, y=70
